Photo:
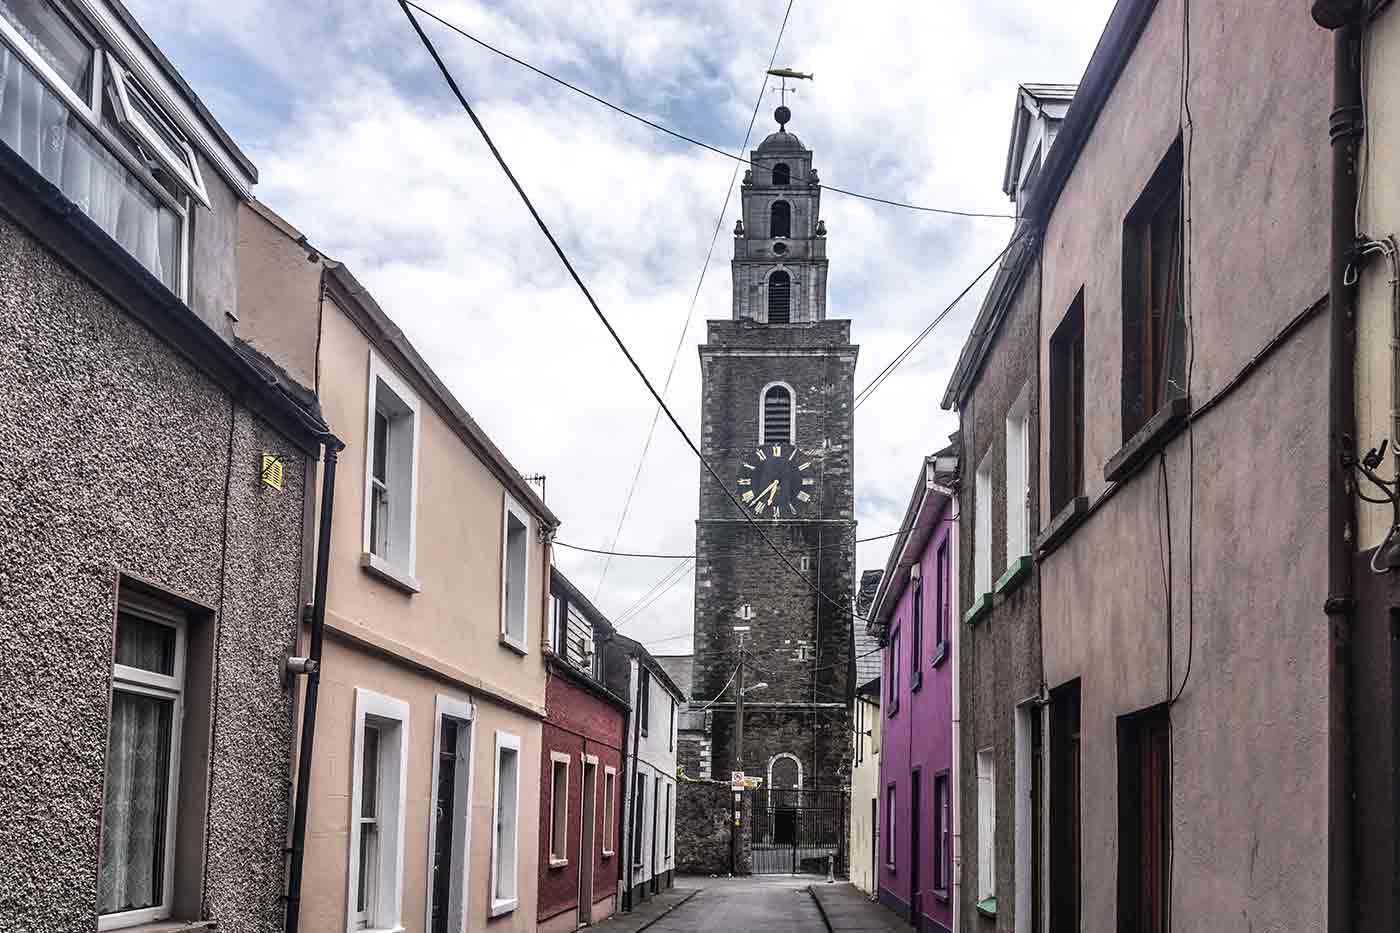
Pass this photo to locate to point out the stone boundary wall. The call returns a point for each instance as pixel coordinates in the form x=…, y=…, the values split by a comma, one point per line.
x=704, y=821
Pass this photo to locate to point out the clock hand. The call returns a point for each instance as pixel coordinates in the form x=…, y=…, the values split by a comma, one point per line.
x=764, y=492
x=774, y=494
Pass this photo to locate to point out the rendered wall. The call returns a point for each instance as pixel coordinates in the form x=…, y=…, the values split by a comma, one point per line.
x=120, y=453
x=1249, y=734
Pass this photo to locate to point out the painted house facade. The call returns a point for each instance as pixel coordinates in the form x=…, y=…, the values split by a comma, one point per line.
x=649, y=790
x=581, y=768
x=912, y=614
x=867, y=660
x=154, y=499
x=424, y=785
x=1185, y=321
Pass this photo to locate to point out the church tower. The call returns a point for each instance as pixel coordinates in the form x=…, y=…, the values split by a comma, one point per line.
x=777, y=425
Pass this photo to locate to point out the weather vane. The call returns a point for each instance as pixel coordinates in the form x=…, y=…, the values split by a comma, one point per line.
x=783, y=114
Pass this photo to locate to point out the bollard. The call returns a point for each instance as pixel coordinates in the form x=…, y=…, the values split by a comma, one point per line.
x=830, y=869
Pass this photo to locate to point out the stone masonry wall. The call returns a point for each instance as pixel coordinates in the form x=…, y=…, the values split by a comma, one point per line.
x=704, y=823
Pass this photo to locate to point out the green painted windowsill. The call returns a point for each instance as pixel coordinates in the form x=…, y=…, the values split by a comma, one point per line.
x=979, y=609
x=1019, y=569
x=987, y=908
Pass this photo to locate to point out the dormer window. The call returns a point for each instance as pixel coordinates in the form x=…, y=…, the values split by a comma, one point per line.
x=780, y=298
x=782, y=175
x=780, y=220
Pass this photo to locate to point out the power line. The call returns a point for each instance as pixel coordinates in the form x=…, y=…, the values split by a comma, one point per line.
x=681, y=136
x=879, y=380
x=597, y=310
x=694, y=298
x=636, y=610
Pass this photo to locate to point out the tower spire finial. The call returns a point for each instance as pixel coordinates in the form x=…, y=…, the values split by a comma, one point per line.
x=783, y=114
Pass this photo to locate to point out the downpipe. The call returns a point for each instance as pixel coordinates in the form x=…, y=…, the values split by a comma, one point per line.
x=311, y=667
x=1345, y=18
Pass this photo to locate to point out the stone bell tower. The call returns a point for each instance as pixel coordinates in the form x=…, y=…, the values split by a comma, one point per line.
x=777, y=424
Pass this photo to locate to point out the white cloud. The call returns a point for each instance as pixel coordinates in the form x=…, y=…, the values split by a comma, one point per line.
x=359, y=144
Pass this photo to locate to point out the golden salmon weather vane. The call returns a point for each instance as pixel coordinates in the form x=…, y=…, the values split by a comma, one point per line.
x=783, y=114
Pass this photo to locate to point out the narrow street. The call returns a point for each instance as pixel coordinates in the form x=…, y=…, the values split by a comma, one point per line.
x=760, y=904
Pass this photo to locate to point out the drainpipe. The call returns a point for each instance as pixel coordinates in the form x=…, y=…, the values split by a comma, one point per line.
x=1345, y=18
x=955, y=647
x=312, y=669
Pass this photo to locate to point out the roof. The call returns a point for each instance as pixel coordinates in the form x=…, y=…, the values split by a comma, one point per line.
x=930, y=497
x=1048, y=92
x=678, y=667
x=643, y=656
x=347, y=288
x=1047, y=101
x=781, y=141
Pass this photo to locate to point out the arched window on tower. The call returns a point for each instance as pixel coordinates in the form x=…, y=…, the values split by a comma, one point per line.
x=777, y=415
x=780, y=219
x=782, y=175
x=780, y=298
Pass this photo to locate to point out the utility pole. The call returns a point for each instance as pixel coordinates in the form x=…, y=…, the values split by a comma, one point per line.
x=739, y=714
x=746, y=615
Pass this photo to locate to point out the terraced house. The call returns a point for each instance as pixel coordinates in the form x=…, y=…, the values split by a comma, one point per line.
x=155, y=498
x=424, y=782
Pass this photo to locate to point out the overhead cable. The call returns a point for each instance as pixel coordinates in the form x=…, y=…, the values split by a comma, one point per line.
x=681, y=136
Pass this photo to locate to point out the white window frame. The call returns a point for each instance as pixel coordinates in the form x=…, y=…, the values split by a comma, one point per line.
x=465, y=713
x=392, y=717
x=982, y=537
x=986, y=825
x=666, y=825
x=792, y=410
x=89, y=112
x=167, y=687
x=510, y=509
x=394, y=570
x=1018, y=471
x=561, y=823
x=504, y=905
x=891, y=842
x=609, y=810
x=182, y=164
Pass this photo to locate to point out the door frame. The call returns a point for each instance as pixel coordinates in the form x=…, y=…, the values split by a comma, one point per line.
x=587, y=839
x=916, y=894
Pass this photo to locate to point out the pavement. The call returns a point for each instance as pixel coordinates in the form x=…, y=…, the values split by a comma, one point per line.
x=757, y=904
x=847, y=909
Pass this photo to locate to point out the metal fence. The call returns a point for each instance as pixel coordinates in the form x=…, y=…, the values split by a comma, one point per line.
x=797, y=831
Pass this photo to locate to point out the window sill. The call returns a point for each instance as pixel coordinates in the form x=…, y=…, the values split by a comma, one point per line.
x=170, y=926
x=940, y=655
x=988, y=907
x=1060, y=527
x=1019, y=569
x=514, y=645
x=558, y=863
x=979, y=609
x=941, y=895
x=607, y=854
x=1149, y=439
x=501, y=908
x=392, y=574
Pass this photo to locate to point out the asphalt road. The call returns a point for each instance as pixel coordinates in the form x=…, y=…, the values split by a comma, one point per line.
x=760, y=904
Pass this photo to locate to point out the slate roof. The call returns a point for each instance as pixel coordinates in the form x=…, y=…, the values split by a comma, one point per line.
x=677, y=667
x=869, y=660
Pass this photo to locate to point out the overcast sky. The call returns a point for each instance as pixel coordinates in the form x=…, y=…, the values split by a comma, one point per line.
x=359, y=144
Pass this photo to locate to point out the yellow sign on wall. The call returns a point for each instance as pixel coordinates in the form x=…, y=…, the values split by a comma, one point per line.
x=271, y=471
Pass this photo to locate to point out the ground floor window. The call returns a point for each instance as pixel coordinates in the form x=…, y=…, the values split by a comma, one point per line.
x=377, y=793
x=942, y=835
x=505, y=823
x=609, y=809
x=638, y=820
x=559, y=809
x=986, y=826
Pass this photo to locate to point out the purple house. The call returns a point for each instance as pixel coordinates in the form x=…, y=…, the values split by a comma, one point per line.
x=913, y=615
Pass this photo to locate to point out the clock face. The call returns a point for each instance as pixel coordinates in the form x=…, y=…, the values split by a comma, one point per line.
x=776, y=481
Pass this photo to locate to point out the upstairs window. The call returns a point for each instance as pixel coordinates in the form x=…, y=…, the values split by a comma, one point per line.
x=515, y=576
x=391, y=477
x=944, y=581
x=776, y=416
x=982, y=533
x=779, y=298
x=1067, y=408
x=1018, y=478
x=782, y=175
x=780, y=220
x=1154, y=312
x=92, y=145
x=916, y=636
x=644, y=699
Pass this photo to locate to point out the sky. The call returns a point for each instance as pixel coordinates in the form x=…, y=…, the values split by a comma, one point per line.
x=360, y=144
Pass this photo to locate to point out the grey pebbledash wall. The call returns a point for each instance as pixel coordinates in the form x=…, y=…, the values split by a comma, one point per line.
x=121, y=458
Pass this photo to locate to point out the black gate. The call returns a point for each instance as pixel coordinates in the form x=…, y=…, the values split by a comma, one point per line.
x=797, y=831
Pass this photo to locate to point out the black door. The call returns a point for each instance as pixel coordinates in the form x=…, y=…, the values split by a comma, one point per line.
x=442, y=844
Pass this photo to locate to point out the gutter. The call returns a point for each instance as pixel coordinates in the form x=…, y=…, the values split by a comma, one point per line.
x=1345, y=18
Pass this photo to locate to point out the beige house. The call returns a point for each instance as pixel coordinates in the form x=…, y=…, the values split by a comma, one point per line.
x=424, y=786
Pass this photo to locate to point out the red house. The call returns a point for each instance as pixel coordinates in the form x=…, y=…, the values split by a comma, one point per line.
x=581, y=769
